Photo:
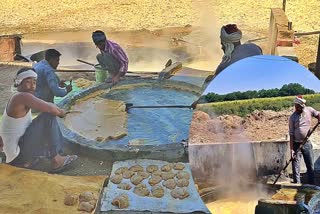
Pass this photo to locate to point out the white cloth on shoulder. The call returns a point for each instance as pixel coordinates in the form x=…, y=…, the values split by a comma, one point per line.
x=227, y=40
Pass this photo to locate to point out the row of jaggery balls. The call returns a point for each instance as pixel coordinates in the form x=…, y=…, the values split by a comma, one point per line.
x=137, y=174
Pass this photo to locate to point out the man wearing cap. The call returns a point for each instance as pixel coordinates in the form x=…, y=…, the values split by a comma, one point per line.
x=299, y=126
x=112, y=56
x=48, y=83
x=23, y=139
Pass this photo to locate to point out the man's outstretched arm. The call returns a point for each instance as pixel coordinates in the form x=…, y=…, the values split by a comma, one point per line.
x=33, y=102
x=54, y=86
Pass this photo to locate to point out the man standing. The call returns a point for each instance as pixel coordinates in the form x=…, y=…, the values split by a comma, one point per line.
x=299, y=126
x=25, y=140
x=112, y=56
x=48, y=83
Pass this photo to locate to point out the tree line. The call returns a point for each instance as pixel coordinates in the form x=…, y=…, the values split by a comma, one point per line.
x=291, y=89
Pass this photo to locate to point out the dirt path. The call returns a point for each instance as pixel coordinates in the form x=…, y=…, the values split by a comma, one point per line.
x=66, y=15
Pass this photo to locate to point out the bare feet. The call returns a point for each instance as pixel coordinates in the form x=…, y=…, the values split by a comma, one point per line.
x=27, y=165
x=60, y=161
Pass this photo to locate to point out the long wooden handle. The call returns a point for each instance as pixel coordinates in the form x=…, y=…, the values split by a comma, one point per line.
x=300, y=147
x=170, y=106
x=88, y=63
x=73, y=111
x=130, y=72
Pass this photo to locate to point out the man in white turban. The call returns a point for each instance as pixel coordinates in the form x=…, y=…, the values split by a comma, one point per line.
x=233, y=50
x=299, y=126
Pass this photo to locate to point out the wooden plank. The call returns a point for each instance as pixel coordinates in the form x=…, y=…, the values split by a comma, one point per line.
x=284, y=4
x=272, y=33
x=318, y=60
x=279, y=35
x=170, y=70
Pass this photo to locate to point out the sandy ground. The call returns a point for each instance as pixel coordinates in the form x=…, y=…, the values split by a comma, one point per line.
x=68, y=15
x=17, y=185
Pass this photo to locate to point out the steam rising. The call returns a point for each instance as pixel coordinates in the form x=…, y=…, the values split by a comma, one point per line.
x=227, y=165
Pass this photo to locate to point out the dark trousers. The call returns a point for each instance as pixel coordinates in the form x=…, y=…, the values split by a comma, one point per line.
x=109, y=63
x=42, y=138
x=307, y=154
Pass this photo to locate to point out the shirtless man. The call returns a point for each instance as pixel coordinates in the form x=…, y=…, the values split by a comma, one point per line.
x=25, y=140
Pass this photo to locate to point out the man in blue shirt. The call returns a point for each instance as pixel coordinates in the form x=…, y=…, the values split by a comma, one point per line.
x=48, y=83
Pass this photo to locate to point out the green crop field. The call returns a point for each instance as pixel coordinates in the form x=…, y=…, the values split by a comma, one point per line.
x=244, y=107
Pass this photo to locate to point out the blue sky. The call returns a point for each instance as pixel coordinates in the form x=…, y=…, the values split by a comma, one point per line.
x=262, y=72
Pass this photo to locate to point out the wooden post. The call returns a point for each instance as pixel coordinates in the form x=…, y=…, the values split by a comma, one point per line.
x=9, y=47
x=318, y=60
x=279, y=34
x=284, y=2
x=272, y=34
x=289, y=25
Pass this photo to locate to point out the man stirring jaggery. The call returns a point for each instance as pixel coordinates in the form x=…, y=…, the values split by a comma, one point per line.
x=299, y=126
x=112, y=57
x=24, y=139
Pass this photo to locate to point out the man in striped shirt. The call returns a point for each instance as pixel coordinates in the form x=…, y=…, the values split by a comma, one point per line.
x=112, y=56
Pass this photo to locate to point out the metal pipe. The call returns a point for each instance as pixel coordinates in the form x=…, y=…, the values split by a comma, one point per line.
x=307, y=33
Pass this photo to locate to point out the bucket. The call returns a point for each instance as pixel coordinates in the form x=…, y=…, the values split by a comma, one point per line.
x=101, y=74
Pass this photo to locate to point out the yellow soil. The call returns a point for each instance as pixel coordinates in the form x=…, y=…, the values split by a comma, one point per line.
x=45, y=15
x=28, y=191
